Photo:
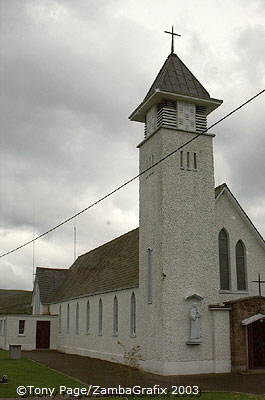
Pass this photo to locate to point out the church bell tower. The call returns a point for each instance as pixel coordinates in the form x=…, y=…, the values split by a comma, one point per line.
x=177, y=247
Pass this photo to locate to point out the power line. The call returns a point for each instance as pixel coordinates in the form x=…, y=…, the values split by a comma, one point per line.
x=133, y=178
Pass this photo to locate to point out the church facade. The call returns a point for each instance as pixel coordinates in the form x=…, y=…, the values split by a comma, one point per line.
x=174, y=296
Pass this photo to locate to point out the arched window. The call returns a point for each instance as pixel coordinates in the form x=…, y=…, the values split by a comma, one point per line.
x=60, y=319
x=115, y=317
x=68, y=319
x=100, y=317
x=77, y=319
x=241, y=266
x=224, y=260
x=87, y=317
x=133, y=316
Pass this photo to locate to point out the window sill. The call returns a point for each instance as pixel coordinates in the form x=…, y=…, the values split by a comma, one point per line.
x=233, y=291
x=21, y=334
x=133, y=335
x=115, y=335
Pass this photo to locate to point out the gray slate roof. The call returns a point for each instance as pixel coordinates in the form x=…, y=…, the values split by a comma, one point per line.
x=175, y=77
x=112, y=266
x=49, y=280
x=219, y=188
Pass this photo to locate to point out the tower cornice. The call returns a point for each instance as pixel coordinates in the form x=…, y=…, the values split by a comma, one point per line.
x=177, y=130
x=158, y=96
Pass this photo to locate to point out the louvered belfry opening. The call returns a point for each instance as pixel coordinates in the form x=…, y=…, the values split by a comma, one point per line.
x=176, y=115
x=201, y=119
x=166, y=114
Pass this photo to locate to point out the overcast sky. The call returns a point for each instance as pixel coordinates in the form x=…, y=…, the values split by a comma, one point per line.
x=72, y=72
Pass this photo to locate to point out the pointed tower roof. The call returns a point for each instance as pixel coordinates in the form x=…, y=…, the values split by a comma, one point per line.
x=175, y=77
x=175, y=82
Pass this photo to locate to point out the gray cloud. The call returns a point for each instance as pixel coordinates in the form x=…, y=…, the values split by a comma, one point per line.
x=71, y=73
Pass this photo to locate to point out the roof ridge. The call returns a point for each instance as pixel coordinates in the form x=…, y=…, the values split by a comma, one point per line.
x=160, y=71
x=182, y=63
x=54, y=269
x=112, y=240
x=175, y=76
x=221, y=185
x=118, y=237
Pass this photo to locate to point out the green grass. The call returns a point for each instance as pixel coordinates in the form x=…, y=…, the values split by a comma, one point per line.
x=229, y=396
x=204, y=396
x=26, y=372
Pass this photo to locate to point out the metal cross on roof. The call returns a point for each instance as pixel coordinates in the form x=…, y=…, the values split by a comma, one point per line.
x=259, y=281
x=172, y=38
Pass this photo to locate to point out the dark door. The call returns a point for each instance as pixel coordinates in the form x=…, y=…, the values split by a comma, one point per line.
x=256, y=344
x=43, y=335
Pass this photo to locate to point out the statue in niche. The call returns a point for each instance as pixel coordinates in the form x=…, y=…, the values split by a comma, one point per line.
x=195, y=331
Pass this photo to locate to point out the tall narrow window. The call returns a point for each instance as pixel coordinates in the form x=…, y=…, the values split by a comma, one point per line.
x=224, y=260
x=21, y=327
x=194, y=160
x=60, y=319
x=100, y=317
x=181, y=160
x=2, y=327
x=115, y=317
x=87, y=317
x=133, y=316
x=68, y=319
x=188, y=160
x=241, y=266
x=149, y=276
x=77, y=319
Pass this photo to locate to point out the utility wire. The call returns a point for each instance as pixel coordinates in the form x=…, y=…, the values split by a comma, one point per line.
x=133, y=178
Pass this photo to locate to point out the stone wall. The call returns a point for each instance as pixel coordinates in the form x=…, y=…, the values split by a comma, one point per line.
x=241, y=309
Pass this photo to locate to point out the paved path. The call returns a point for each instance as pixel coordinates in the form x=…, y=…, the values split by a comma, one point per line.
x=107, y=374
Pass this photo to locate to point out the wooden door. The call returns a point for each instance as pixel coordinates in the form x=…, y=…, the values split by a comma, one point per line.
x=256, y=344
x=43, y=335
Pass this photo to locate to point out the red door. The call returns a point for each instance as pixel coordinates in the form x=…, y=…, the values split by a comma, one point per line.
x=256, y=344
x=43, y=335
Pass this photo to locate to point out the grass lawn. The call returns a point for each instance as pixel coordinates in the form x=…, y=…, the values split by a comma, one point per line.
x=26, y=372
x=229, y=396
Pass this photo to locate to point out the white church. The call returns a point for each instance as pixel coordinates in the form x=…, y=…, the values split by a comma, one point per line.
x=176, y=295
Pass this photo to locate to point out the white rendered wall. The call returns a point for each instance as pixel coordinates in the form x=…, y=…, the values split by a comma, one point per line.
x=228, y=217
x=104, y=347
x=28, y=339
x=36, y=298
x=150, y=198
x=221, y=340
x=177, y=220
x=38, y=308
